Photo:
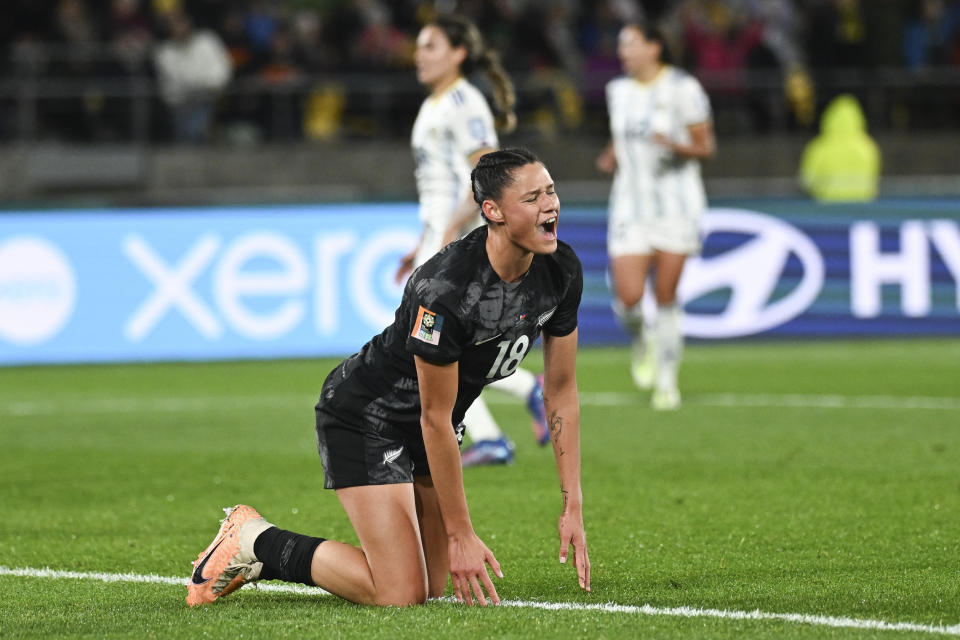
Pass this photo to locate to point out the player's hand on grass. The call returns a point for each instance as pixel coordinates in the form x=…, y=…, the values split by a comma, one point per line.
x=468, y=571
x=573, y=534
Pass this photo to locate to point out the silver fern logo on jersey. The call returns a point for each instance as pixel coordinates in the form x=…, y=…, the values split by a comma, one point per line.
x=762, y=295
x=543, y=317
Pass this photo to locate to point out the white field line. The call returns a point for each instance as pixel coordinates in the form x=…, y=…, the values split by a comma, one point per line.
x=74, y=404
x=645, y=610
x=137, y=577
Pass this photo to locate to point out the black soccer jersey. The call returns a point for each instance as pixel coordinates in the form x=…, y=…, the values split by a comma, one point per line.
x=455, y=308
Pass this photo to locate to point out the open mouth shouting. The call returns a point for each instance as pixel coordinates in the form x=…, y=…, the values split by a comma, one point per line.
x=548, y=228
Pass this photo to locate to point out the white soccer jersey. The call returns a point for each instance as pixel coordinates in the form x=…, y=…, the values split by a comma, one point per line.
x=651, y=185
x=449, y=128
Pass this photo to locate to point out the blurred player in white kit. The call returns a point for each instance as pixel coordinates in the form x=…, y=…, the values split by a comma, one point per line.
x=455, y=126
x=661, y=128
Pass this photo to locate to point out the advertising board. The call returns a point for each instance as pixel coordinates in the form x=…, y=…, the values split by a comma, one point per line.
x=304, y=281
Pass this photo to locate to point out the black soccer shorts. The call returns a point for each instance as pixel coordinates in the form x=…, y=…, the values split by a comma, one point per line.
x=362, y=453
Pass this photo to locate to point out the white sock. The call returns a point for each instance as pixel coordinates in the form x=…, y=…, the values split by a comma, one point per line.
x=669, y=345
x=632, y=320
x=480, y=424
x=519, y=384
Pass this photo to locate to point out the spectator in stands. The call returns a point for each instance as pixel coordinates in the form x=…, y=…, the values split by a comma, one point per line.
x=193, y=67
x=598, y=32
x=842, y=164
x=931, y=41
x=76, y=117
x=563, y=50
x=837, y=35
x=380, y=45
x=884, y=22
x=128, y=28
x=782, y=48
x=313, y=51
x=719, y=39
x=283, y=73
x=261, y=20
x=233, y=32
x=930, y=38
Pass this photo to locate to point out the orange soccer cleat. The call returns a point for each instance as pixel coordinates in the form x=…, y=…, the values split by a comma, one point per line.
x=228, y=562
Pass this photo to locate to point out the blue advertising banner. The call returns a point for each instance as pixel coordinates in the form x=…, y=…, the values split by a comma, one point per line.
x=89, y=286
x=795, y=268
x=300, y=281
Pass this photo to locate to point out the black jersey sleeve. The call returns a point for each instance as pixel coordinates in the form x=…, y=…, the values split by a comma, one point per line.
x=564, y=321
x=434, y=333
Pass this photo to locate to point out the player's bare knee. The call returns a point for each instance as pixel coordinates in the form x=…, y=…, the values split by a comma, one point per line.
x=631, y=299
x=401, y=589
x=402, y=596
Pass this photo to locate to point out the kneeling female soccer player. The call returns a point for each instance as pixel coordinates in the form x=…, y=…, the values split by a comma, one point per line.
x=388, y=418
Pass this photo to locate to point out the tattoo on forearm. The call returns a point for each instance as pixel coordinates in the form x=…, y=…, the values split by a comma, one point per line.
x=563, y=491
x=556, y=428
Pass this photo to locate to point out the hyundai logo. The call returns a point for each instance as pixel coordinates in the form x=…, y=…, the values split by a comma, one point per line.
x=751, y=272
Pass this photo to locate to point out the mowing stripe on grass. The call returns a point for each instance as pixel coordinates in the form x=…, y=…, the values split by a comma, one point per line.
x=646, y=610
x=827, y=401
x=184, y=404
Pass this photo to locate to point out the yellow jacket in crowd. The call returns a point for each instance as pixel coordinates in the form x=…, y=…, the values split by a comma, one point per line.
x=842, y=164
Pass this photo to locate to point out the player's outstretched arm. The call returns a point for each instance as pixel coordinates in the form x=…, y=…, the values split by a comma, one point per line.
x=467, y=553
x=563, y=415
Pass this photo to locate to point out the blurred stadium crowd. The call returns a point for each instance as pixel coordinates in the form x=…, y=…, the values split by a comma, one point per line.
x=247, y=71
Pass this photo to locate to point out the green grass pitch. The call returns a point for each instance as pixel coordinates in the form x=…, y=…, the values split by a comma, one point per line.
x=813, y=478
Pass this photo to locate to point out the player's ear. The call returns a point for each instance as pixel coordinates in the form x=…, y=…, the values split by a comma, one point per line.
x=460, y=55
x=491, y=210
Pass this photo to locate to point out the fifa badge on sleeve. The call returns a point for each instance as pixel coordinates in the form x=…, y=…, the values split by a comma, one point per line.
x=427, y=327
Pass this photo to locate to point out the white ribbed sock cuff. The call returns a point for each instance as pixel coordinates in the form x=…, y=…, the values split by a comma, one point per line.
x=669, y=345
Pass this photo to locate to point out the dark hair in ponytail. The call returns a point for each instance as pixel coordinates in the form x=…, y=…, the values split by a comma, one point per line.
x=461, y=32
